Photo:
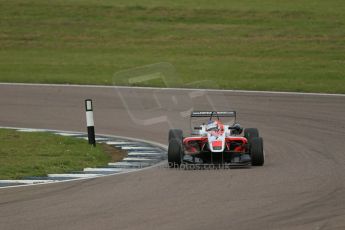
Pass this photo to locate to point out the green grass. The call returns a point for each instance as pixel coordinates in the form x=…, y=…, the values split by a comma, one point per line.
x=296, y=45
x=37, y=154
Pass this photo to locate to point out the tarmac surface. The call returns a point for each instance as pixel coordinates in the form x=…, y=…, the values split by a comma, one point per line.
x=301, y=185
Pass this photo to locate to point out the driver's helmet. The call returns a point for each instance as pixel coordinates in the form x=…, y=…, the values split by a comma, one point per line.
x=214, y=126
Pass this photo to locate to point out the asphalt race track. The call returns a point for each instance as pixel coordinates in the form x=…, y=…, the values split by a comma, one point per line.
x=301, y=186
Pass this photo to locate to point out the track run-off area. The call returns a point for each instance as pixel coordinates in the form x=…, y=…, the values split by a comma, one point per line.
x=301, y=185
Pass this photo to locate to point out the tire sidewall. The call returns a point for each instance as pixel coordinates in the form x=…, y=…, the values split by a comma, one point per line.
x=256, y=151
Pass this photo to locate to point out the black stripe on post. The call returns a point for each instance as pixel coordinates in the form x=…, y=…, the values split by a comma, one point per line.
x=91, y=135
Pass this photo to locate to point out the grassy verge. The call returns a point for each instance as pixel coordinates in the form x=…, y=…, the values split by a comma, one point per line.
x=295, y=45
x=37, y=154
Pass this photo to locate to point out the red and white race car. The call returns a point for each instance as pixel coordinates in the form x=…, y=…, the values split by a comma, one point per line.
x=216, y=140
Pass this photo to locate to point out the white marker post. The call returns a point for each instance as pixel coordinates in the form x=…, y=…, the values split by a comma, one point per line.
x=89, y=122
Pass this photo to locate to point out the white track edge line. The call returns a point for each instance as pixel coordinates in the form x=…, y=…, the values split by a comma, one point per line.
x=172, y=89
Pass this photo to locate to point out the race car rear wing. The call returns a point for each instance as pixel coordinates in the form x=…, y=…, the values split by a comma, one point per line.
x=213, y=113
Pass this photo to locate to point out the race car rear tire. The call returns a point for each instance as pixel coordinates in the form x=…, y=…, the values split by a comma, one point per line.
x=175, y=153
x=175, y=134
x=250, y=133
x=257, y=151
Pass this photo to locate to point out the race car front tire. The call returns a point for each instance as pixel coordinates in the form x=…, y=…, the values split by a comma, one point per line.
x=175, y=153
x=250, y=133
x=257, y=151
x=175, y=134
